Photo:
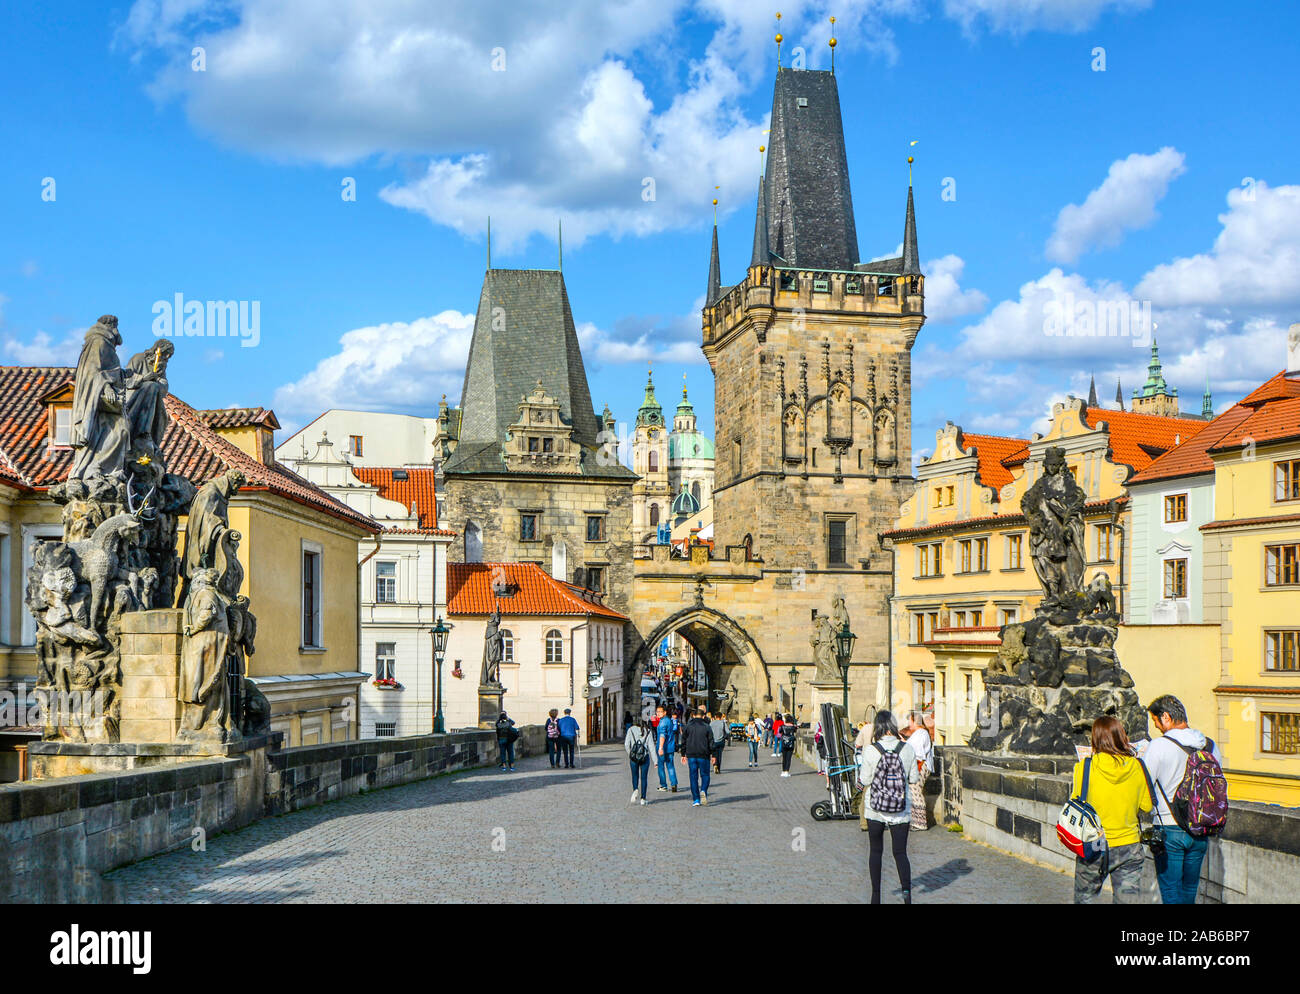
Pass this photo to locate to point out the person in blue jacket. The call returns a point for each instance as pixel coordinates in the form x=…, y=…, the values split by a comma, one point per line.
x=568, y=737
x=667, y=735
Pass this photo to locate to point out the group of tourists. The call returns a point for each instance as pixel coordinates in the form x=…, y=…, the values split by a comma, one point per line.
x=561, y=739
x=700, y=740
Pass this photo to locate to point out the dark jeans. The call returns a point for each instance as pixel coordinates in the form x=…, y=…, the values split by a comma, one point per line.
x=699, y=767
x=640, y=775
x=898, y=836
x=566, y=750
x=507, y=752
x=666, y=763
x=785, y=760
x=553, y=751
x=717, y=755
x=1178, y=871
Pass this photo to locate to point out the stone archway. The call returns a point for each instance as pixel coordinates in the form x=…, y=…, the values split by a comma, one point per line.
x=730, y=655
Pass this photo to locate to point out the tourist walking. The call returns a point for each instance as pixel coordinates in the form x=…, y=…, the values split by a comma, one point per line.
x=568, y=737
x=697, y=744
x=786, y=739
x=639, y=743
x=506, y=735
x=767, y=731
x=553, y=737
x=1182, y=757
x=1113, y=782
x=753, y=736
x=918, y=737
x=777, y=722
x=718, y=726
x=819, y=743
x=666, y=732
x=887, y=766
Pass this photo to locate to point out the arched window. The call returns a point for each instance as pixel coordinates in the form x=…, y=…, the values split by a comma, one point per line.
x=473, y=543
x=507, y=646
x=654, y=514
x=554, y=646
x=654, y=461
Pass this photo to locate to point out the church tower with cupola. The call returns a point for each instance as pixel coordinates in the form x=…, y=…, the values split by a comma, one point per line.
x=811, y=355
x=652, y=493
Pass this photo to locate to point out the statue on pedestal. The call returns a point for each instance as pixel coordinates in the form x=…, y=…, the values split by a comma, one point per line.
x=1054, y=508
x=209, y=515
x=100, y=436
x=493, y=650
x=823, y=645
x=204, y=689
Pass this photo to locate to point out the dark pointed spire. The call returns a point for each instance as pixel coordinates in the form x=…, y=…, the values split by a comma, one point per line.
x=1119, y=394
x=1207, y=401
x=1093, y=402
x=762, y=254
x=715, y=272
x=911, y=256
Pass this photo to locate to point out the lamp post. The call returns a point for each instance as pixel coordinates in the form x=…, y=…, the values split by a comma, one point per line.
x=844, y=642
x=794, y=679
x=440, y=633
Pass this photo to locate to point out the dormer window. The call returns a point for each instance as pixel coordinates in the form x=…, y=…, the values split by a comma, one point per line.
x=61, y=425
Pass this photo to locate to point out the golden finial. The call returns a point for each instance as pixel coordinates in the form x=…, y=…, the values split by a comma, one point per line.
x=779, y=38
x=910, y=160
x=833, y=43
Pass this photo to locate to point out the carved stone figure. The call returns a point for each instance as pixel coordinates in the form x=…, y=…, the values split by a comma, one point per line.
x=823, y=645
x=257, y=711
x=493, y=648
x=209, y=515
x=99, y=434
x=839, y=613
x=204, y=691
x=146, y=386
x=1054, y=509
x=1101, y=598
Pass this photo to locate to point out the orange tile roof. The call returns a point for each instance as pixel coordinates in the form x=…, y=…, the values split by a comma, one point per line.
x=192, y=447
x=469, y=591
x=1271, y=412
x=1137, y=439
x=417, y=489
x=240, y=417
x=991, y=450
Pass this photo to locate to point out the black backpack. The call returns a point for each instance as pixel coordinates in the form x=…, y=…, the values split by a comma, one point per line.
x=789, y=732
x=639, y=752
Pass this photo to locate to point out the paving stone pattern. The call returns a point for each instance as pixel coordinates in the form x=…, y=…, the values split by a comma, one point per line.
x=570, y=835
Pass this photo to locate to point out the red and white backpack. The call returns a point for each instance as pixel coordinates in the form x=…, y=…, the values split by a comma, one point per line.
x=1078, y=826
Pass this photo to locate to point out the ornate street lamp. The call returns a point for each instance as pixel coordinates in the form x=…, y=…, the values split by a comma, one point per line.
x=844, y=642
x=440, y=633
x=794, y=679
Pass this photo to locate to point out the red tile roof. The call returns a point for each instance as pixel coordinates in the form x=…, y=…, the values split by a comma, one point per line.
x=1270, y=413
x=417, y=489
x=240, y=417
x=469, y=591
x=1137, y=439
x=991, y=451
x=192, y=447
x=1274, y=519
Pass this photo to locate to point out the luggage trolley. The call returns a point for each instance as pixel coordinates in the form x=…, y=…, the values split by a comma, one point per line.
x=841, y=767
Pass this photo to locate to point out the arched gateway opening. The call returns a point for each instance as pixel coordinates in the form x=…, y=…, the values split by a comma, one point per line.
x=731, y=659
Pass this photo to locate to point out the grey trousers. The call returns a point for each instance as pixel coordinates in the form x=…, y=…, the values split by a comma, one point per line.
x=1123, y=864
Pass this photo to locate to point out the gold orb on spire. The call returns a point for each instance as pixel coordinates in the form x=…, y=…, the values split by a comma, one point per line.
x=715, y=201
x=779, y=38
x=909, y=160
x=762, y=148
x=832, y=42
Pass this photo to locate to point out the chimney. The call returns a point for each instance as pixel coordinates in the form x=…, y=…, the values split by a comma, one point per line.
x=1293, y=351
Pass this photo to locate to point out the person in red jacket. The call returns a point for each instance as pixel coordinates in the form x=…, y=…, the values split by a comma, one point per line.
x=777, y=722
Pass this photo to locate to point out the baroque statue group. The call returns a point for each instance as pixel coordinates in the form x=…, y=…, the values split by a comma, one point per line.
x=121, y=509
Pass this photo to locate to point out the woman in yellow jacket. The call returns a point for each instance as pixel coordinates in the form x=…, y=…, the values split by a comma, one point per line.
x=1117, y=790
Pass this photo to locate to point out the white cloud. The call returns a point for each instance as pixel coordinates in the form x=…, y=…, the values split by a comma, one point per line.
x=43, y=350
x=1125, y=201
x=1017, y=17
x=944, y=297
x=1255, y=259
x=396, y=366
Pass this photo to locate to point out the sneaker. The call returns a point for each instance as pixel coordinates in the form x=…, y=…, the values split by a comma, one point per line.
x=512, y=769
x=643, y=802
x=503, y=766
x=695, y=804
x=704, y=798
x=785, y=774
x=635, y=795
x=663, y=789
x=674, y=788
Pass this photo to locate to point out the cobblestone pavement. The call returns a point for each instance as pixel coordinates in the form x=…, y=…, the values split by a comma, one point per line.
x=570, y=835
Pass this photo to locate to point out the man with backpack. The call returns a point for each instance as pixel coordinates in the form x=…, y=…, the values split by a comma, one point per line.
x=1191, y=797
x=786, y=738
x=697, y=744
x=553, y=737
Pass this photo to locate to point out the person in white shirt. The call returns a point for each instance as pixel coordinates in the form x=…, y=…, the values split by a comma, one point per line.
x=873, y=743
x=918, y=737
x=1178, y=871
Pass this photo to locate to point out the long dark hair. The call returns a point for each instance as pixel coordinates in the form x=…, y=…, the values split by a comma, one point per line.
x=1108, y=736
x=884, y=725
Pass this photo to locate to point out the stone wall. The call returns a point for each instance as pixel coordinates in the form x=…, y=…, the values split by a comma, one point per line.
x=1012, y=805
x=58, y=836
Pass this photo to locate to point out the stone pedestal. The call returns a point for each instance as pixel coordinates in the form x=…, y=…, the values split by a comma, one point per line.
x=151, y=660
x=490, y=696
x=824, y=692
x=68, y=759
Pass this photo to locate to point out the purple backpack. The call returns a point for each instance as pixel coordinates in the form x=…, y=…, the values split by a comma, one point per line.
x=1200, y=802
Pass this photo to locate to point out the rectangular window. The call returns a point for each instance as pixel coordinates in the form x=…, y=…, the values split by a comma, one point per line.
x=982, y=554
x=970, y=688
x=385, y=729
x=311, y=596
x=1175, y=508
x=923, y=692
x=976, y=619
x=929, y=559
x=1175, y=578
x=385, y=660
x=1015, y=548
x=528, y=528
x=595, y=528
x=354, y=445
x=1281, y=565
x=596, y=579
x=386, y=583
x=735, y=457
x=1009, y=615
x=1105, y=535
x=964, y=546
x=1286, y=474
x=547, y=443
x=837, y=542
x=938, y=496
x=958, y=619
x=1279, y=732
x=62, y=426
x=1282, y=651
x=534, y=445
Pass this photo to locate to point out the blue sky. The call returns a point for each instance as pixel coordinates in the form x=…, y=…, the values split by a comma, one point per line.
x=1166, y=178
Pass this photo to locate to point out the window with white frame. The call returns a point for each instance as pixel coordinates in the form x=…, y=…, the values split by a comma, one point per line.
x=312, y=593
x=554, y=646
x=385, y=660
x=386, y=583
x=385, y=729
x=507, y=646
